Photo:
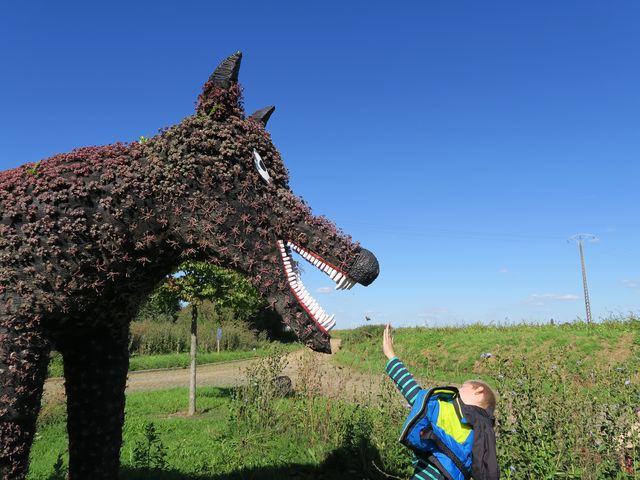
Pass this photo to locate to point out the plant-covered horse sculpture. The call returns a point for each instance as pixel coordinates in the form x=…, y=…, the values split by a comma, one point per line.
x=86, y=236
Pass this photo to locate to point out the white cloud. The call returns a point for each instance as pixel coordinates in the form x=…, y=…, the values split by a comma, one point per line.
x=632, y=284
x=503, y=270
x=324, y=290
x=543, y=298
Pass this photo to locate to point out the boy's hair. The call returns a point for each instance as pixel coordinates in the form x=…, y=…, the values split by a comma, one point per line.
x=489, y=396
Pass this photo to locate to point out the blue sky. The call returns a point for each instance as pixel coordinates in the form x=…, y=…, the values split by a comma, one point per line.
x=461, y=142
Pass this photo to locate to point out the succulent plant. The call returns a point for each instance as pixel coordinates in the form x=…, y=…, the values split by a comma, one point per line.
x=85, y=237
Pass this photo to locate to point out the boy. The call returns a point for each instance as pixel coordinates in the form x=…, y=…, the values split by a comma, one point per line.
x=458, y=431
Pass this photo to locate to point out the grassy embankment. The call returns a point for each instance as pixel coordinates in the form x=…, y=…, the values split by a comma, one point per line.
x=441, y=355
x=567, y=393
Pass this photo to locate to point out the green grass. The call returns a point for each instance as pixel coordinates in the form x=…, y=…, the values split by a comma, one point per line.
x=216, y=444
x=178, y=360
x=567, y=397
x=454, y=354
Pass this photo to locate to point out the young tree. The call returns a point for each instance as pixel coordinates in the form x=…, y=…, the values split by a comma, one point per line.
x=199, y=281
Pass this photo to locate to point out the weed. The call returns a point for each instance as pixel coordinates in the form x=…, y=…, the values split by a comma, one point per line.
x=150, y=452
x=59, y=469
x=255, y=402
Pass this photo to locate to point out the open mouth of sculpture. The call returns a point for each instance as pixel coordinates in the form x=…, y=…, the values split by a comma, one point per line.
x=325, y=321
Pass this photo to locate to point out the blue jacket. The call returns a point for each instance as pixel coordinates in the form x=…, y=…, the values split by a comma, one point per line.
x=437, y=428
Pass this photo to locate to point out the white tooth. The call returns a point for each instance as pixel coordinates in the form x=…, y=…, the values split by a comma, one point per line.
x=329, y=322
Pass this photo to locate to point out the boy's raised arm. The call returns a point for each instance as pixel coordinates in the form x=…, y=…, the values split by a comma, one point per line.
x=397, y=371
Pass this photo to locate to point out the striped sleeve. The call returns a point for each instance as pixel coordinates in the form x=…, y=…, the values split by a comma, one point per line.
x=403, y=379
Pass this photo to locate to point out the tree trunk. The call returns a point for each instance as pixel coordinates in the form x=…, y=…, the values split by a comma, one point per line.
x=194, y=345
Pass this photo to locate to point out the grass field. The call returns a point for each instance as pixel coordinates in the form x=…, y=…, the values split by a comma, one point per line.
x=179, y=360
x=566, y=399
x=254, y=435
x=453, y=354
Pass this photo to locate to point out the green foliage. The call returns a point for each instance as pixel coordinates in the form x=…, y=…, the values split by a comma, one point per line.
x=32, y=170
x=59, y=469
x=226, y=289
x=255, y=402
x=150, y=337
x=554, y=422
x=452, y=354
x=149, y=452
x=162, y=306
x=558, y=416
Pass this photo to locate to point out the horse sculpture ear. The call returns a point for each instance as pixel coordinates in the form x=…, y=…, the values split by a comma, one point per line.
x=263, y=114
x=220, y=96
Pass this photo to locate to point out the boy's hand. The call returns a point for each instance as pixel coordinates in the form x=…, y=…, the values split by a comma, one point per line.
x=387, y=343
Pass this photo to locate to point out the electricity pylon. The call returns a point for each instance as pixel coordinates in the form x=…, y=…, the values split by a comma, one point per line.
x=579, y=238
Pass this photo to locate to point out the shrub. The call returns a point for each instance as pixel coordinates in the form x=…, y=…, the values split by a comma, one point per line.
x=150, y=337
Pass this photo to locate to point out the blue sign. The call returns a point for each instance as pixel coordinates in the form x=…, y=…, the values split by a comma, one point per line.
x=219, y=334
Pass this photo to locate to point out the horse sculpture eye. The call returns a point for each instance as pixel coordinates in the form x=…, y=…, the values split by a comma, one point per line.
x=262, y=170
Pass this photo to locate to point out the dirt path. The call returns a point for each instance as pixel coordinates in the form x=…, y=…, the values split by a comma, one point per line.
x=316, y=370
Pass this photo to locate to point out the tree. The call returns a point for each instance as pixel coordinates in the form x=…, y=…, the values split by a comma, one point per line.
x=162, y=305
x=199, y=281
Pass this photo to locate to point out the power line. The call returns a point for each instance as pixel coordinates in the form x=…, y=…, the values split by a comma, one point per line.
x=420, y=230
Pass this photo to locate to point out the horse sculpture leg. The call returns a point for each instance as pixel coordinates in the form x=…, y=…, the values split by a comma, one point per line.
x=24, y=355
x=95, y=370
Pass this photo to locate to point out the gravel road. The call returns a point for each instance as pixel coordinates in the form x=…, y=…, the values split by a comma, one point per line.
x=316, y=370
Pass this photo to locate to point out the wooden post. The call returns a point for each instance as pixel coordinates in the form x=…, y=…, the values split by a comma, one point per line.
x=194, y=345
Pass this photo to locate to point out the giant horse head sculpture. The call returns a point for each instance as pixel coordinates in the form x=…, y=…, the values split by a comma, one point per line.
x=86, y=236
